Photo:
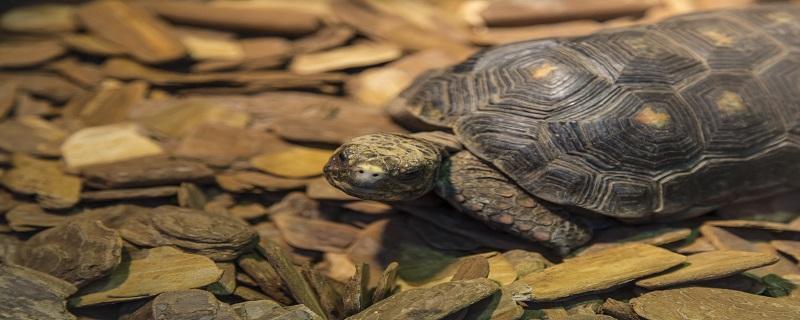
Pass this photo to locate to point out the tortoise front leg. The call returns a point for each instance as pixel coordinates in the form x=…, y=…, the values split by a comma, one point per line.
x=476, y=188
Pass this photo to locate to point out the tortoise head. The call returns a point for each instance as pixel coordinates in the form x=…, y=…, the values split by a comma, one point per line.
x=389, y=167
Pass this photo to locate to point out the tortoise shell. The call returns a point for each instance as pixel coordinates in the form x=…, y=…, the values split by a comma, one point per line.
x=674, y=118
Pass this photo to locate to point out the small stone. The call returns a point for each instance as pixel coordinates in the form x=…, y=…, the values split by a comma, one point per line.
x=30, y=294
x=147, y=273
x=709, y=265
x=599, y=271
x=431, y=303
x=107, y=144
x=296, y=162
x=712, y=304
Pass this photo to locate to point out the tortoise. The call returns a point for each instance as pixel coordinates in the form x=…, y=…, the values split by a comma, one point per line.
x=644, y=123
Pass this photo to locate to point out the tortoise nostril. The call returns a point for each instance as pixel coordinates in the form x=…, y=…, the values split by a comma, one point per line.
x=360, y=171
x=374, y=174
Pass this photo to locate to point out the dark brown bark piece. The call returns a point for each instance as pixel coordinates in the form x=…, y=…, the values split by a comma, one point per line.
x=145, y=172
x=226, y=284
x=265, y=276
x=79, y=251
x=432, y=303
x=29, y=294
x=30, y=217
x=294, y=280
x=472, y=268
x=142, y=35
x=388, y=281
x=185, y=305
x=219, y=237
x=356, y=293
x=329, y=297
x=191, y=196
x=127, y=194
x=315, y=234
x=619, y=310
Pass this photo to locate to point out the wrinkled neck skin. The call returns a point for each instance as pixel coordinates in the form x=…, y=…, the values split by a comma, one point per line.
x=385, y=167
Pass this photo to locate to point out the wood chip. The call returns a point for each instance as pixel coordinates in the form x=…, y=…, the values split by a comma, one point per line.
x=145, y=37
x=711, y=304
x=107, y=144
x=790, y=247
x=93, y=45
x=148, y=273
x=180, y=118
x=294, y=280
x=219, y=237
x=764, y=225
x=84, y=74
x=510, y=13
x=709, y=265
x=251, y=19
x=295, y=162
x=619, y=310
x=599, y=271
x=226, y=284
x=433, y=303
x=258, y=80
x=356, y=291
x=255, y=310
x=53, y=188
x=313, y=234
x=26, y=54
x=244, y=181
x=387, y=283
x=44, y=85
x=248, y=294
x=266, y=52
x=366, y=19
x=378, y=86
x=526, y=262
x=112, y=103
x=145, y=172
x=130, y=193
x=320, y=189
x=184, y=304
x=726, y=240
x=29, y=294
x=264, y=275
x=79, y=251
x=8, y=93
x=44, y=18
x=500, y=36
x=326, y=38
x=501, y=270
x=31, y=135
x=220, y=144
x=31, y=217
x=357, y=55
x=210, y=48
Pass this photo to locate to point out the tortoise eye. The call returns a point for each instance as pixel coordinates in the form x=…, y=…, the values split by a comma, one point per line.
x=342, y=157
